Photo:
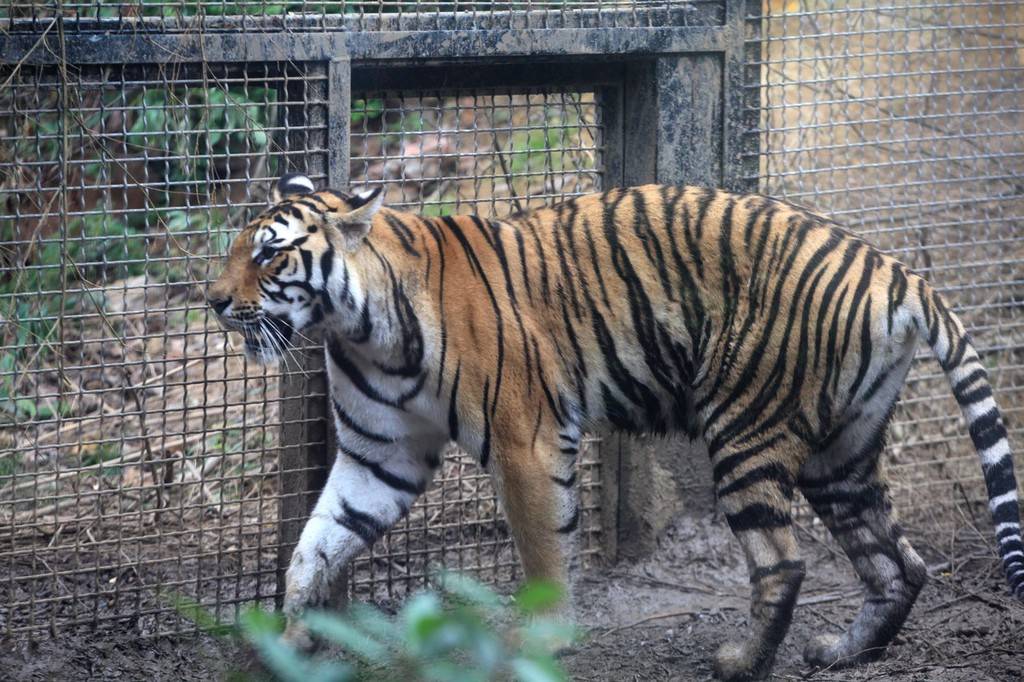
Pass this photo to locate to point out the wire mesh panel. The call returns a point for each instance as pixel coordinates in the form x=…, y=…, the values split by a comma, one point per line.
x=138, y=448
x=140, y=454
x=401, y=15
x=489, y=152
x=903, y=121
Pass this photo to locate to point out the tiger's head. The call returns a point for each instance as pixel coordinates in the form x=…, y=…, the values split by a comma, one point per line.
x=276, y=279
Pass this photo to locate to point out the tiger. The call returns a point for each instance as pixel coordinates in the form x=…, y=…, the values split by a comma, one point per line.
x=761, y=327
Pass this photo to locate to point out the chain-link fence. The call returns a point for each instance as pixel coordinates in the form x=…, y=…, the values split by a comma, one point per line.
x=904, y=121
x=142, y=458
x=139, y=447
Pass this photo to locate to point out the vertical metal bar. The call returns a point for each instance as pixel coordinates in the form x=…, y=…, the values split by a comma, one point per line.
x=689, y=130
x=737, y=99
x=610, y=124
x=673, y=132
x=612, y=108
x=639, y=143
x=304, y=453
x=339, y=117
x=639, y=119
x=749, y=124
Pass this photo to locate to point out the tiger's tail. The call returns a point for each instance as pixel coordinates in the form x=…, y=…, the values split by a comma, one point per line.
x=951, y=344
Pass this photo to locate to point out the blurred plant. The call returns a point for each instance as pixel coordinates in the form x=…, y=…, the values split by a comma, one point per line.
x=460, y=630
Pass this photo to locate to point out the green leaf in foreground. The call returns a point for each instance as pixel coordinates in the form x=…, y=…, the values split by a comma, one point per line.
x=469, y=590
x=194, y=611
x=341, y=632
x=537, y=670
x=538, y=596
x=262, y=631
x=461, y=632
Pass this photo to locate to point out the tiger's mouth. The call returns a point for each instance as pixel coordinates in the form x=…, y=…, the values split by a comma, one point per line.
x=267, y=339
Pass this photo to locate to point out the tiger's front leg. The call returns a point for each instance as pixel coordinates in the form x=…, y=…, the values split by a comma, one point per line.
x=365, y=495
x=540, y=497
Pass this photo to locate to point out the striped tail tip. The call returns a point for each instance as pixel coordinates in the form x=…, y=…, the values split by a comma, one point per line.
x=949, y=341
x=1011, y=550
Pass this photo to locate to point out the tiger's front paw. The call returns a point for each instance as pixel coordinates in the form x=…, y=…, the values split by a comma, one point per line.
x=739, y=662
x=298, y=636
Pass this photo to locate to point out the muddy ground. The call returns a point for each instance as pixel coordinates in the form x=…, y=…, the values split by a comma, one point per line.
x=660, y=619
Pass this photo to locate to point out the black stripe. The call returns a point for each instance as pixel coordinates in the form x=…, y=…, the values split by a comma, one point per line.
x=567, y=282
x=499, y=250
x=365, y=526
x=545, y=288
x=953, y=358
x=773, y=471
x=548, y=395
x=987, y=430
x=474, y=262
x=361, y=384
x=573, y=523
x=521, y=246
x=730, y=462
x=383, y=475
x=568, y=482
x=983, y=392
x=453, y=415
x=897, y=291
x=865, y=349
x=965, y=383
x=485, y=447
x=784, y=566
x=692, y=247
x=345, y=419
x=1007, y=512
x=1008, y=532
x=999, y=478
x=650, y=242
x=758, y=516
x=403, y=233
x=439, y=240
x=498, y=318
x=595, y=263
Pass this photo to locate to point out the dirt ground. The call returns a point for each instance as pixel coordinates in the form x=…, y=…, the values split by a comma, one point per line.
x=659, y=619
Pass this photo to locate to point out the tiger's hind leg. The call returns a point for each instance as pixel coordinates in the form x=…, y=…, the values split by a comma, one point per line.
x=754, y=485
x=845, y=488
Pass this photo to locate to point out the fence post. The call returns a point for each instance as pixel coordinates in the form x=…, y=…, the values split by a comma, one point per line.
x=681, y=118
x=306, y=439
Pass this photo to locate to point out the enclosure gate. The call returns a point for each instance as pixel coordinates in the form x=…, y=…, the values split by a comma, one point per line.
x=168, y=466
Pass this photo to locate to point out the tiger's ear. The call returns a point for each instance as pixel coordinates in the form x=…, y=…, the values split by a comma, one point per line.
x=292, y=183
x=355, y=224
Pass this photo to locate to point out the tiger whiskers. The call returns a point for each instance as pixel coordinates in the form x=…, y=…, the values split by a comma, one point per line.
x=276, y=341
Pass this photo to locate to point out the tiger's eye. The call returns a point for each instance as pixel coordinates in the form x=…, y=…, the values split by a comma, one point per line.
x=266, y=254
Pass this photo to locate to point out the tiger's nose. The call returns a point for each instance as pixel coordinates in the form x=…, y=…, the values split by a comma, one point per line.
x=219, y=305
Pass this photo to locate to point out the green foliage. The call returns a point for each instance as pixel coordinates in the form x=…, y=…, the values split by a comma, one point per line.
x=102, y=452
x=9, y=463
x=366, y=109
x=461, y=630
